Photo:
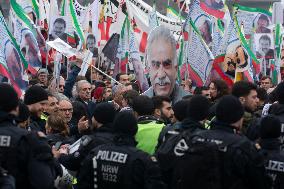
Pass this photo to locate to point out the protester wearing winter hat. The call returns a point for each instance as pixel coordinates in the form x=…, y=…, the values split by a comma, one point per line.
x=136, y=169
x=36, y=98
x=22, y=152
x=270, y=129
x=240, y=155
x=103, y=117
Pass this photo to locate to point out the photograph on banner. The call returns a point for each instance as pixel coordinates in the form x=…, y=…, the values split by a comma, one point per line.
x=30, y=50
x=253, y=20
x=262, y=23
x=14, y=63
x=204, y=24
x=91, y=44
x=236, y=59
x=58, y=28
x=213, y=7
x=264, y=49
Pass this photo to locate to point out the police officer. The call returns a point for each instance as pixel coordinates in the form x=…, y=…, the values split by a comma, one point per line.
x=270, y=129
x=242, y=165
x=26, y=157
x=102, y=122
x=120, y=165
x=197, y=111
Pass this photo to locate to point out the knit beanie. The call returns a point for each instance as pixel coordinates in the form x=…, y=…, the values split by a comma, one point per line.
x=125, y=123
x=270, y=127
x=104, y=112
x=198, y=108
x=229, y=109
x=8, y=98
x=35, y=94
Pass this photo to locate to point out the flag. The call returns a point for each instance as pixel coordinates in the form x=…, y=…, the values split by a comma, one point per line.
x=214, y=8
x=12, y=60
x=124, y=45
x=68, y=10
x=199, y=64
x=26, y=36
x=217, y=37
x=44, y=8
x=95, y=18
x=153, y=20
x=249, y=17
x=245, y=45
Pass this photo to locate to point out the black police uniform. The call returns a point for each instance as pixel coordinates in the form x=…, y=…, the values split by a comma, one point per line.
x=188, y=125
x=274, y=161
x=26, y=157
x=278, y=111
x=102, y=135
x=243, y=164
x=119, y=166
x=37, y=124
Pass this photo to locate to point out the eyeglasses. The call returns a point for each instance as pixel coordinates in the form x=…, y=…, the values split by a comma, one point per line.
x=66, y=110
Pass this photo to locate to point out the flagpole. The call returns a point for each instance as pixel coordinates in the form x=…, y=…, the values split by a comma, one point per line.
x=189, y=42
x=180, y=18
x=108, y=76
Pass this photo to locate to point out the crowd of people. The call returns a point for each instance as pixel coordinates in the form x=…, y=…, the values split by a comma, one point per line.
x=88, y=132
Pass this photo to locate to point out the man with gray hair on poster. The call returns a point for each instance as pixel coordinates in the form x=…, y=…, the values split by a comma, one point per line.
x=161, y=59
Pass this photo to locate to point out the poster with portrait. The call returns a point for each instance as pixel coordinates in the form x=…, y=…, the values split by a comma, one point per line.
x=91, y=44
x=202, y=21
x=264, y=50
x=14, y=65
x=27, y=41
x=254, y=20
x=215, y=8
x=59, y=27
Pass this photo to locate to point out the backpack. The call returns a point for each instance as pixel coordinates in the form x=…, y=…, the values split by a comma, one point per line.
x=201, y=166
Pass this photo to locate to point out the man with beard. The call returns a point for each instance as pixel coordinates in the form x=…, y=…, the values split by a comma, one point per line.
x=163, y=109
x=161, y=59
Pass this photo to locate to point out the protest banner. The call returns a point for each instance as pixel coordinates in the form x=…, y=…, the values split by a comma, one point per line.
x=199, y=64
x=254, y=20
x=12, y=61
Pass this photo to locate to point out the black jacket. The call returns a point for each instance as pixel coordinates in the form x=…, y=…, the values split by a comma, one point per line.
x=37, y=124
x=278, y=111
x=102, y=135
x=243, y=163
x=122, y=167
x=26, y=156
x=274, y=161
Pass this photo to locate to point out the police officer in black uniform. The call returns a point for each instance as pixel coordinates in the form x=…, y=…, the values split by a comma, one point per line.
x=243, y=167
x=103, y=116
x=120, y=165
x=270, y=130
x=24, y=155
